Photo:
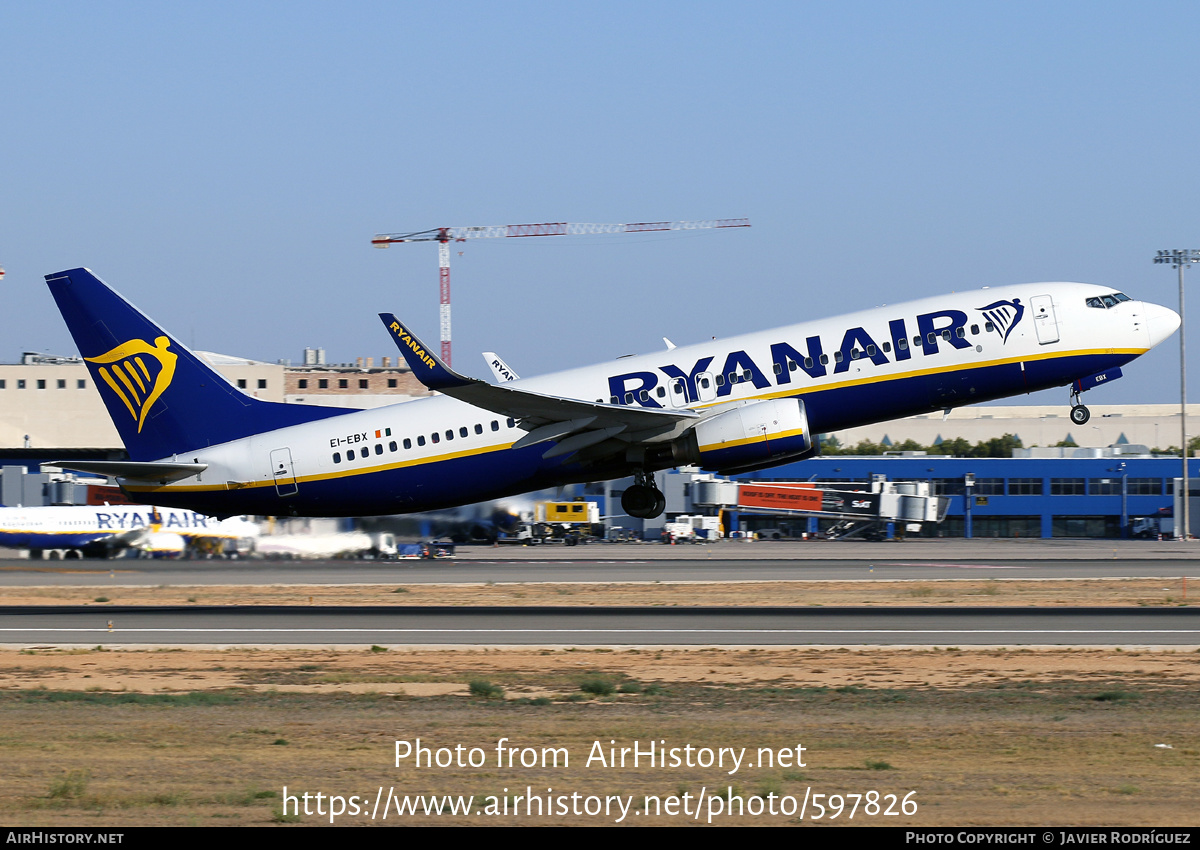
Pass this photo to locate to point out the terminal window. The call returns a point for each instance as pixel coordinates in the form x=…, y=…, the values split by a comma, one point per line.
x=1024, y=486
x=81, y=384
x=1067, y=487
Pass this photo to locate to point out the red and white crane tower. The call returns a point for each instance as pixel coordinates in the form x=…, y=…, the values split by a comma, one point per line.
x=445, y=235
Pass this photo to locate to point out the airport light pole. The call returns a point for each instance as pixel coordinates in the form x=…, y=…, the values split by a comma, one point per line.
x=1180, y=259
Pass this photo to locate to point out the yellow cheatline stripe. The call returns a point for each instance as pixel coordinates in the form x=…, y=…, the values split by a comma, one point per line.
x=796, y=390
x=761, y=438
x=324, y=476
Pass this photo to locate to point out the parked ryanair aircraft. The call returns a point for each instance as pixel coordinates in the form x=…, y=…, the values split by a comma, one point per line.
x=107, y=529
x=733, y=405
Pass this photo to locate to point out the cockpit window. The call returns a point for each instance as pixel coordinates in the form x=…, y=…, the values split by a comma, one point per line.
x=1103, y=302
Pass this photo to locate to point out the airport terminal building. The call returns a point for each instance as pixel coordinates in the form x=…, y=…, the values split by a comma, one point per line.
x=1047, y=493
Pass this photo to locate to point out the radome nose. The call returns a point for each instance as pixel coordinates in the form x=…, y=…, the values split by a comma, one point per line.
x=1161, y=322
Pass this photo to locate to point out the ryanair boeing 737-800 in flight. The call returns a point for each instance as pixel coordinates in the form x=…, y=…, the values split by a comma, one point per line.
x=734, y=405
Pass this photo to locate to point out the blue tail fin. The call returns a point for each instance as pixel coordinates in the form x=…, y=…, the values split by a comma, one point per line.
x=163, y=399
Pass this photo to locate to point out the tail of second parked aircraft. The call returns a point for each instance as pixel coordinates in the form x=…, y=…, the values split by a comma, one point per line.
x=163, y=399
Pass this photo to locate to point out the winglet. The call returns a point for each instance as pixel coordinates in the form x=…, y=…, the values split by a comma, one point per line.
x=429, y=370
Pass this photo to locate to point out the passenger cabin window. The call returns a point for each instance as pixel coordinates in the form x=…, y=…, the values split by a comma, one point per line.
x=337, y=457
x=902, y=344
x=379, y=448
x=824, y=359
x=496, y=425
x=421, y=440
x=462, y=432
x=478, y=428
x=974, y=330
x=838, y=356
x=434, y=436
x=407, y=443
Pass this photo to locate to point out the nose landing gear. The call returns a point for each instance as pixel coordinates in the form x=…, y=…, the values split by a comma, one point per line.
x=1079, y=413
x=643, y=500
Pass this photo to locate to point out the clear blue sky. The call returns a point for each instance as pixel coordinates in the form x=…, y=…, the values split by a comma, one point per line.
x=224, y=165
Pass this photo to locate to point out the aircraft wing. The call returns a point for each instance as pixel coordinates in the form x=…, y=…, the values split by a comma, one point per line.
x=499, y=368
x=575, y=422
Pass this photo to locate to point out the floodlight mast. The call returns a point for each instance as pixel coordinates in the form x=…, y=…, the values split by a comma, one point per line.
x=445, y=235
x=1181, y=259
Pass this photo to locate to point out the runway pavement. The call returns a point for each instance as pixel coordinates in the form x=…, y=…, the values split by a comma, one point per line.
x=329, y=626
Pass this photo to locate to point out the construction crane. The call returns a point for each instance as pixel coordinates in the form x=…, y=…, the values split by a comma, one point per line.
x=445, y=235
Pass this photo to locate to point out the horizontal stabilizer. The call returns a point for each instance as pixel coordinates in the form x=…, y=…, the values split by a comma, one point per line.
x=134, y=470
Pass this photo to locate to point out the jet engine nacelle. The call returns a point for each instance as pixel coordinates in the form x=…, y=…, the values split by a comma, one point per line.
x=754, y=435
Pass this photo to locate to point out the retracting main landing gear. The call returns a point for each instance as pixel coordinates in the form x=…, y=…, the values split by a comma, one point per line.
x=643, y=500
x=1079, y=413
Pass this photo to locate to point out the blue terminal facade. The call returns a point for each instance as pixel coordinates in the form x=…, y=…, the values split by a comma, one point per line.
x=1012, y=497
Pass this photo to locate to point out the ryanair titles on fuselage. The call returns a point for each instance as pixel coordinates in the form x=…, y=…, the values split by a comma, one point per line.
x=856, y=346
x=118, y=520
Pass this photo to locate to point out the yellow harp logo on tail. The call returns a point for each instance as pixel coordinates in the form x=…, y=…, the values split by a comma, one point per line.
x=138, y=373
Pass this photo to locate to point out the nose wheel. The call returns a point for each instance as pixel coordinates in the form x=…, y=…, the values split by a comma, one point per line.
x=1079, y=412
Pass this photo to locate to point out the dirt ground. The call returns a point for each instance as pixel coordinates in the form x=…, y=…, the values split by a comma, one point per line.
x=948, y=592
x=106, y=736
